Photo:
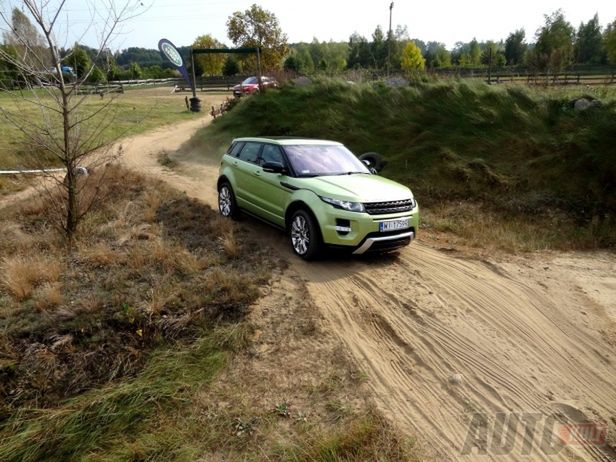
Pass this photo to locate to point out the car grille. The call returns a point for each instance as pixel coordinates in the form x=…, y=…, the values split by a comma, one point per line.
x=384, y=208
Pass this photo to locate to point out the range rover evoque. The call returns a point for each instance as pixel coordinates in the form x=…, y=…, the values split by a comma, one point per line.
x=319, y=192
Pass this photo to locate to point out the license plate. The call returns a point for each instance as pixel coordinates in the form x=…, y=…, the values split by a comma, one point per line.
x=393, y=225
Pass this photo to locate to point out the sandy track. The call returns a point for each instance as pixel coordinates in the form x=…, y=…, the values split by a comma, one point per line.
x=535, y=334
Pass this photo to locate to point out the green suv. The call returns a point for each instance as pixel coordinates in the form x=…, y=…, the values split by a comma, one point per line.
x=318, y=192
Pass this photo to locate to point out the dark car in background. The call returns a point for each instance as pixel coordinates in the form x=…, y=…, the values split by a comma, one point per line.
x=251, y=85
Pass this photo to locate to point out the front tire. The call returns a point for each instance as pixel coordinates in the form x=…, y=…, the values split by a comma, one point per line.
x=226, y=201
x=304, y=235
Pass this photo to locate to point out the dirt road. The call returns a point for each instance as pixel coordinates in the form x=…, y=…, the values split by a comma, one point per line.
x=448, y=340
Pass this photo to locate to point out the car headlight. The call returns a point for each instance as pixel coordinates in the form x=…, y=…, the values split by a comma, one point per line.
x=344, y=205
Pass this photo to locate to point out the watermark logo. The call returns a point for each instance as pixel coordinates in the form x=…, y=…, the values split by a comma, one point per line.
x=582, y=434
x=526, y=432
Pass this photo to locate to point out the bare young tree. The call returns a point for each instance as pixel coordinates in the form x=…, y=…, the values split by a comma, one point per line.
x=51, y=105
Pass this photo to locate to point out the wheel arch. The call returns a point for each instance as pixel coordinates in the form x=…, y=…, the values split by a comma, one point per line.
x=296, y=205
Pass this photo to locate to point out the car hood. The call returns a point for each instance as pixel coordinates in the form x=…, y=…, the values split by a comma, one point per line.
x=356, y=187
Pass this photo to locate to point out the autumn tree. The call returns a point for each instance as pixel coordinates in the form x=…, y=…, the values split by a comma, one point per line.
x=256, y=27
x=210, y=64
x=412, y=60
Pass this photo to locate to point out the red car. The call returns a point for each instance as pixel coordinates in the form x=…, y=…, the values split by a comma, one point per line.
x=251, y=86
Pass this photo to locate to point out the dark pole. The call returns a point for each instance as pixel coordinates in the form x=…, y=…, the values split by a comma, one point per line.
x=490, y=65
x=259, y=69
x=195, y=103
x=391, y=7
x=192, y=69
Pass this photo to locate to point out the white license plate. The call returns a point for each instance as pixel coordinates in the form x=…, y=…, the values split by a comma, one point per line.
x=393, y=225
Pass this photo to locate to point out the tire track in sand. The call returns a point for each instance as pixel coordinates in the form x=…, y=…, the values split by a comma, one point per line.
x=413, y=322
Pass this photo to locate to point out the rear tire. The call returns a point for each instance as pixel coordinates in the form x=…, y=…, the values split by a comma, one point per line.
x=226, y=201
x=305, y=235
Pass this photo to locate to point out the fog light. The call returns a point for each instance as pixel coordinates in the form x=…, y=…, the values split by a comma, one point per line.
x=343, y=226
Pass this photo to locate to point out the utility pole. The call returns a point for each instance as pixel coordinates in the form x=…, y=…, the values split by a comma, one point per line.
x=389, y=37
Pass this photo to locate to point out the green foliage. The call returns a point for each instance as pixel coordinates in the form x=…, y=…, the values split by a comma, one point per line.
x=589, y=42
x=554, y=47
x=143, y=56
x=436, y=55
x=515, y=47
x=231, y=67
x=412, y=60
x=79, y=60
x=609, y=41
x=256, y=27
x=97, y=76
x=135, y=71
x=291, y=64
x=209, y=64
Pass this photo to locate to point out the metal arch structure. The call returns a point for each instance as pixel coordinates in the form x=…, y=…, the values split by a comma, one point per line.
x=209, y=51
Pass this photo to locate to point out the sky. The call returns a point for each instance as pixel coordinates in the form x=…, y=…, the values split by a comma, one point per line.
x=447, y=21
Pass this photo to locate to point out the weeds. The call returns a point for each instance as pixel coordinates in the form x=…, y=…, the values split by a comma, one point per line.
x=149, y=267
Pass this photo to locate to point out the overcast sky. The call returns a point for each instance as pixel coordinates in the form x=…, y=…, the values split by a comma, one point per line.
x=446, y=21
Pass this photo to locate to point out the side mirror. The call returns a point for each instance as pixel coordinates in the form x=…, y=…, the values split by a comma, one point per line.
x=273, y=167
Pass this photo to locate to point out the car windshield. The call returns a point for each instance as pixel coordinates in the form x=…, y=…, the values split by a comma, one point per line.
x=249, y=80
x=323, y=159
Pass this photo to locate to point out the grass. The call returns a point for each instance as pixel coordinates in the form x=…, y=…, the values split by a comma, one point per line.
x=516, y=154
x=150, y=266
x=135, y=111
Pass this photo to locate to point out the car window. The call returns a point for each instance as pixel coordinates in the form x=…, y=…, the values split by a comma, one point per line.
x=235, y=149
x=271, y=153
x=250, y=152
x=250, y=81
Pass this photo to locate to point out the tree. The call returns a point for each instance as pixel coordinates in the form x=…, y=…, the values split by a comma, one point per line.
x=515, y=47
x=135, y=71
x=231, y=67
x=378, y=49
x=412, y=61
x=589, y=42
x=257, y=27
x=291, y=64
x=436, y=55
x=359, y=52
x=69, y=130
x=609, y=42
x=554, y=46
x=209, y=64
x=80, y=61
x=474, y=53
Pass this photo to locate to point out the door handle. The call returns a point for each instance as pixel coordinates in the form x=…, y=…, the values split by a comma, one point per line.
x=257, y=173
x=235, y=162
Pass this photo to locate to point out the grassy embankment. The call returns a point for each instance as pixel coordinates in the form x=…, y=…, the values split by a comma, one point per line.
x=139, y=345
x=503, y=166
x=135, y=111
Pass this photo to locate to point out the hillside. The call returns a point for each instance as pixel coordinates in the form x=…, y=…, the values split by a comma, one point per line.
x=510, y=151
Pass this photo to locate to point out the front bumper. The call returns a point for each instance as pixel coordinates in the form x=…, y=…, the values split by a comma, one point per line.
x=385, y=243
x=360, y=232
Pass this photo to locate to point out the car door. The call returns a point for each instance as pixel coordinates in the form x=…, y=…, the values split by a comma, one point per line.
x=247, y=184
x=272, y=197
